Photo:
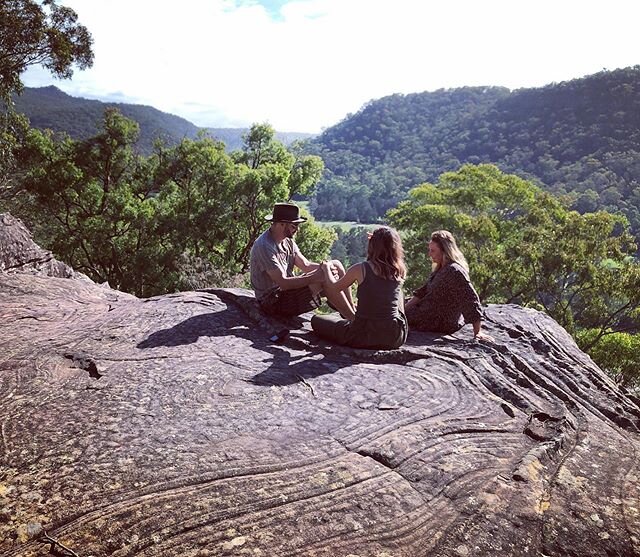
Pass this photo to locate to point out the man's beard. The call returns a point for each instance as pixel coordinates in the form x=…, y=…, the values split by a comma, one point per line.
x=289, y=233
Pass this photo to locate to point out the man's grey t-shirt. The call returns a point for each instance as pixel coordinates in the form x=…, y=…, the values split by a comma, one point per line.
x=266, y=255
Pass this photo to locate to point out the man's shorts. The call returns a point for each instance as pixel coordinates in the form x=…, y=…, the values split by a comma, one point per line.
x=290, y=302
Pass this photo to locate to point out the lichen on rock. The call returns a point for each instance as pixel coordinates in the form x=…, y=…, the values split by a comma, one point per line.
x=173, y=426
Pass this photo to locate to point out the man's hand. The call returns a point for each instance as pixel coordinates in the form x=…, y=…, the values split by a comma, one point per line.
x=327, y=273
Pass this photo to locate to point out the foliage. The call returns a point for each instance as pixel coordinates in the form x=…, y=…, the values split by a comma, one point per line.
x=233, y=137
x=186, y=215
x=351, y=245
x=270, y=174
x=579, y=137
x=618, y=353
x=195, y=273
x=13, y=127
x=39, y=32
x=524, y=246
x=32, y=33
x=91, y=204
x=315, y=241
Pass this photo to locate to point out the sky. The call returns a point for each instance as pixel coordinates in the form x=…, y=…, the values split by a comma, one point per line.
x=304, y=65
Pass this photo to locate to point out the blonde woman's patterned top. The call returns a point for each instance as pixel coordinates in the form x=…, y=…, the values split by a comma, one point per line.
x=446, y=302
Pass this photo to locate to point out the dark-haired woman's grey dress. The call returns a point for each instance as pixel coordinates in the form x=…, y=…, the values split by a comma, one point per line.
x=445, y=302
x=380, y=322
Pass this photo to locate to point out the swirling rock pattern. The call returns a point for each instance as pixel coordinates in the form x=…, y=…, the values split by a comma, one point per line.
x=174, y=426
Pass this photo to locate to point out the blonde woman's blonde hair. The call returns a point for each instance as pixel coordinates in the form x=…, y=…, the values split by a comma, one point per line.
x=451, y=251
x=385, y=254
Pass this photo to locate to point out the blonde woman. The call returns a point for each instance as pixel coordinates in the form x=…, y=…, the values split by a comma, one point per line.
x=447, y=300
x=379, y=321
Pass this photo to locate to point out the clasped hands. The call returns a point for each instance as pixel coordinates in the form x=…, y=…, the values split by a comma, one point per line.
x=329, y=270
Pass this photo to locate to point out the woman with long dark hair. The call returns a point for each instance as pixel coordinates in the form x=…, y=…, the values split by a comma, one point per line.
x=379, y=321
x=447, y=300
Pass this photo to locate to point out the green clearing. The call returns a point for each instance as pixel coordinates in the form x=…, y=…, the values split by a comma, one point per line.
x=346, y=225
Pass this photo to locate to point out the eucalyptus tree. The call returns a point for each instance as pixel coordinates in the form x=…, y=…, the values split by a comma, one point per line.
x=40, y=33
x=524, y=246
x=92, y=204
x=33, y=33
x=267, y=173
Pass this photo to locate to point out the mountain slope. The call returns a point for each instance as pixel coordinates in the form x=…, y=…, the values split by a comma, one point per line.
x=580, y=136
x=51, y=108
x=48, y=107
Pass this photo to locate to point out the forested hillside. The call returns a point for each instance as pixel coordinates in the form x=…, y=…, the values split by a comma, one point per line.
x=579, y=136
x=51, y=108
x=232, y=137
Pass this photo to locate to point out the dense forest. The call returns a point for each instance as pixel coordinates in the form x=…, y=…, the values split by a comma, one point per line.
x=50, y=108
x=580, y=137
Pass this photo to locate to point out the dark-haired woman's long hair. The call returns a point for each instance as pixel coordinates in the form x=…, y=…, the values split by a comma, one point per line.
x=385, y=254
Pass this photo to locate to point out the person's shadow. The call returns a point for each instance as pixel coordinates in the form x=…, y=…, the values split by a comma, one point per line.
x=285, y=368
x=243, y=319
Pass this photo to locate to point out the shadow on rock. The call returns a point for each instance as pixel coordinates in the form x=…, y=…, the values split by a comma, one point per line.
x=298, y=356
x=286, y=369
x=286, y=366
x=190, y=330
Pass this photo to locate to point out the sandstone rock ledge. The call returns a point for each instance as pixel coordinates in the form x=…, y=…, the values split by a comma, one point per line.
x=173, y=426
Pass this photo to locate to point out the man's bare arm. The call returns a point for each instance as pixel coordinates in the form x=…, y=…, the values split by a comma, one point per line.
x=304, y=264
x=290, y=283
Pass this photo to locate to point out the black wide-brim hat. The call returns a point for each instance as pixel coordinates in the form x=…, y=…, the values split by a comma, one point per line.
x=286, y=212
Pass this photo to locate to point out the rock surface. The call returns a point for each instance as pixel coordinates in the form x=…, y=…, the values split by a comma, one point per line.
x=18, y=252
x=173, y=426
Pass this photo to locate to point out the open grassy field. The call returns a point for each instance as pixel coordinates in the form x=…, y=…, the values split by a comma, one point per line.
x=346, y=225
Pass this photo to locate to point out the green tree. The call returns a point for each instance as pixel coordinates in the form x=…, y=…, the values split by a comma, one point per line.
x=93, y=206
x=13, y=128
x=524, y=246
x=618, y=353
x=181, y=218
x=32, y=33
x=267, y=173
x=39, y=32
x=351, y=244
x=315, y=241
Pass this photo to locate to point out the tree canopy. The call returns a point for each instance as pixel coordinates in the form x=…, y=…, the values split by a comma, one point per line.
x=525, y=246
x=40, y=32
x=145, y=224
x=33, y=32
x=578, y=137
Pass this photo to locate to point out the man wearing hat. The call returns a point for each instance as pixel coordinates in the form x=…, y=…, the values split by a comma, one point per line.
x=273, y=258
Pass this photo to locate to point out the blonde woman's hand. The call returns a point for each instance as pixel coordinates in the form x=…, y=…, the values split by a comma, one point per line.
x=484, y=337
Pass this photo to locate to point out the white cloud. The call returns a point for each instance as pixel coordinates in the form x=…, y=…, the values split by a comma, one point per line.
x=225, y=63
